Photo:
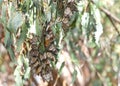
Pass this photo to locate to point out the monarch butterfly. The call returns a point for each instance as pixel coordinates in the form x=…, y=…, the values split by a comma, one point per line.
x=40, y=62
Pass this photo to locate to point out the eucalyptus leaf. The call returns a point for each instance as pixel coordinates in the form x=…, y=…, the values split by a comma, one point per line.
x=99, y=28
x=74, y=58
x=22, y=37
x=18, y=77
x=48, y=16
x=27, y=73
x=85, y=20
x=17, y=71
x=8, y=44
x=57, y=31
x=38, y=28
x=11, y=53
x=3, y=15
x=61, y=67
x=74, y=75
x=7, y=37
x=80, y=6
x=26, y=62
x=91, y=44
x=53, y=11
x=28, y=2
x=73, y=20
x=72, y=53
x=15, y=22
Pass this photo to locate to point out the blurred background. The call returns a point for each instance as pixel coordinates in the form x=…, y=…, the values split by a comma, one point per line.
x=87, y=57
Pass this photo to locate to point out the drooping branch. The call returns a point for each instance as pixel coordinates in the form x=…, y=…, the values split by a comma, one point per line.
x=110, y=15
x=114, y=25
x=111, y=18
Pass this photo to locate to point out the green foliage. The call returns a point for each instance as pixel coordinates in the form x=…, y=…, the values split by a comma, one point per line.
x=22, y=71
x=22, y=37
x=74, y=76
x=61, y=67
x=14, y=22
x=80, y=30
x=97, y=83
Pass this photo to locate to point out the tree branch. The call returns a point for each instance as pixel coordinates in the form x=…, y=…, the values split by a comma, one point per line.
x=110, y=14
x=111, y=17
x=114, y=25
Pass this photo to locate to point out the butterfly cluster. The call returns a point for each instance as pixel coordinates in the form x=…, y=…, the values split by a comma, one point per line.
x=43, y=51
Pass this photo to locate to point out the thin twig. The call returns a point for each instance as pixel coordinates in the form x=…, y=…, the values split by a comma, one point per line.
x=114, y=25
x=110, y=14
x=111, y=17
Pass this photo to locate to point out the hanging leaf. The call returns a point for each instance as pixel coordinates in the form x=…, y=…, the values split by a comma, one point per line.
x=80, y=6
x=72, y=53
x=17, y=72
x=61, y=67
x=27, y=68
x=53, y=11
x=28, y=2
x=74, y=75
x=15, y=22
x=27, y=73
x=8, y=44
x=47, y=11
x=22, y=37
x=73, y=20
x=99, y=28
x=85, y=20
x=38, y=27
x=3, y=18
x=11, y=53
x=7, y=38
x=18, y=77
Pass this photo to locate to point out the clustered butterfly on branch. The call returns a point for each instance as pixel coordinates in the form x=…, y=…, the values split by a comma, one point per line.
x=43, y=51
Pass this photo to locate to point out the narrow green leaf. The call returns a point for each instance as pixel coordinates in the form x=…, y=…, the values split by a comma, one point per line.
x=72, y=53
x=91, y=44
x=3, y=14
x=27, y=68
x=11, y=53
x=18, y=77
x=15, y=22
x=28, y=2
x=74, y=75
x=61, y=67
x=8, y=44
x=85, y=20
x=74, y=58
x=53, y=11
x=22, y=37
x=38, y=27
x=73, y=20
x=48, y=16
x=27, y=73
x=7, y=37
